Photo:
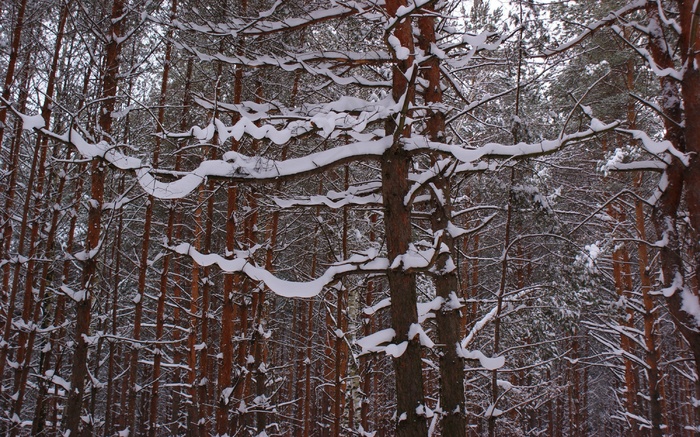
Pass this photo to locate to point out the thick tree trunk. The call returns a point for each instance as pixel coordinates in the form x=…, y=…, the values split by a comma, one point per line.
x=94, y=224
x=682, y=122
x=448, y=318
x=395, y=166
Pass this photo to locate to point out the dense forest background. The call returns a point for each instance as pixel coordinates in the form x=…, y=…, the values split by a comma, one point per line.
x=350, y=217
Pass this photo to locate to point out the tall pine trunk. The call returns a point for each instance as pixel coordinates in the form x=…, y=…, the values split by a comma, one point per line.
x=92, y=240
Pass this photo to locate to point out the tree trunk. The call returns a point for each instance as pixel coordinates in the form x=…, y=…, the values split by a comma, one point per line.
x=92, y=239
x=30, y=308
x=11, y=65
x=681, y=124
x=395, y=165
x=448, y=318
x=499, y=306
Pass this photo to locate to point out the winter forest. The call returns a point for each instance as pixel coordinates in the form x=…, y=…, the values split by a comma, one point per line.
x=350, y=218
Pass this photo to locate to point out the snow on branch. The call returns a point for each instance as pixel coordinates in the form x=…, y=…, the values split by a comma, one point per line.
x=373, y=343
x=261, y=26
x=348, y=116
x=656, y=147
x=494, y=150
x=236, y=166
x=366, y=262
x=593, y=27
x=292, y=63
x=102, y=149
x=644, y=53
x=365, y=194
x=488, y=363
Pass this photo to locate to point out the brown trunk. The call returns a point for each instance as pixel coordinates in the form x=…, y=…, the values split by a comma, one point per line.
x=328, y=374
x=309, y=345
x=340, y=328
x=499, y=306
x=110, y=411
x=11, y=65
x=576, y=423
x=227, y=317
x=395, y=166
x=231, y=283
x=204, y=368
x=620, y=263
x=92, y=240
x=42, y=406
x=175, y=428
x=686, y=138
x=160, y=310
x=690, y=92
x=56, y=336
x=22, y=258
x=194, y=407
x=25, y=353
x=30, y=310
x=652, y=353
x=366, y=361
x=448, y=318
x=258, y=299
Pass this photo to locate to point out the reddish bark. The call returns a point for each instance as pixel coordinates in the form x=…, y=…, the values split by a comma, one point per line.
x=448, y=319
x=681, y=106
x=395, y=166
x=94, y=224
x=11, y=65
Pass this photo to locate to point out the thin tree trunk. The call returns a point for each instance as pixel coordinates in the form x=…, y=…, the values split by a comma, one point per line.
x=160, y=309
x=175, y=428
x=652, y=353
x=194, y=310
x=619, y=260
x=227, y=317
x=368, y=328
x=11, y=66
x=307, y=422
x=340, y=353
x=110, y=412
x=26, y=340
x=22, y=258
x=42, y=407
x=499, y=306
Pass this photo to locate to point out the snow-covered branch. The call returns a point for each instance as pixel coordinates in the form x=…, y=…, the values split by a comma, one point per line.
x=367, y=262
x=591, y=28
